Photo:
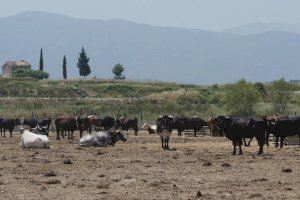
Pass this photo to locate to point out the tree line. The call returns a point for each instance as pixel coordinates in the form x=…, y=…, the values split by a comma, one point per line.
x=82, y=65
x=242, y=97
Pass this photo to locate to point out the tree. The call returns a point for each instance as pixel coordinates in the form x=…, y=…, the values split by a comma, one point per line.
x=117, y=71
x=260, y=87
x=83, y=63
x=241, y=98
x=281, y=95
x=65, y=68
x=41, y=60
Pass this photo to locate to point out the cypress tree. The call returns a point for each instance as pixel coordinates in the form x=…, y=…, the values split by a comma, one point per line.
x=41, y=60
x=65, y=68
x=83, y=63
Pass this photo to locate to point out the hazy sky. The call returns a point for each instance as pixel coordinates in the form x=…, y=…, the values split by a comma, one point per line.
x=205, y=14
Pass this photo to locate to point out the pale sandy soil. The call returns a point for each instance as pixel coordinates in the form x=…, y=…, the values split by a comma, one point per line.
x=139, y=169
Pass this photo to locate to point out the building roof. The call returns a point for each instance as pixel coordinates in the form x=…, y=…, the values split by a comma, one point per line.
x=21, y=63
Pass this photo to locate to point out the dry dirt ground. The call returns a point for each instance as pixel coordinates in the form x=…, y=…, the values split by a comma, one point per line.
x=201, y=167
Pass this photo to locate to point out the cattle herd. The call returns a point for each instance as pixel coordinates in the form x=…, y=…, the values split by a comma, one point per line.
x=108, y=129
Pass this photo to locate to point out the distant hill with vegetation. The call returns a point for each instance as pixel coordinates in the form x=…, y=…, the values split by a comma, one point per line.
x=145, y=100
x=149, y=52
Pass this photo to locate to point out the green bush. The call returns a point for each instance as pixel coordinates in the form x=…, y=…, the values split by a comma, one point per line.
x=241, y=98
x=25, y=73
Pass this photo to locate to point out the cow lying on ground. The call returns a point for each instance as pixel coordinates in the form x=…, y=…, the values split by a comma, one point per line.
x=182, y=123
x=102, y=139
x=164, y=130
x=127, y=123
x=150, y=128
x=32, y=140
x=237, y=128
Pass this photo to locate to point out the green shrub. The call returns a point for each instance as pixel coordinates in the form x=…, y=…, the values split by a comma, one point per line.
x=25, y=73
x=241, y=98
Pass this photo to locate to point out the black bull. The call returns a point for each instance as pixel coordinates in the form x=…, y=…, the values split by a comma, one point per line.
x=237, y=128
x=183, y=123
x=283, y=128
x=70, y=124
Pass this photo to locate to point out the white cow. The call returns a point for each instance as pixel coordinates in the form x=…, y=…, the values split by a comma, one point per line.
x=101, y=139
x=32, y=140
x=150, y=128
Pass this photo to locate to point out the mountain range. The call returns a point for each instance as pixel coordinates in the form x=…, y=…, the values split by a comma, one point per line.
x=150, y=52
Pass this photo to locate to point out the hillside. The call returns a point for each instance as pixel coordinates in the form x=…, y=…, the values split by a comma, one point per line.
x=257, y=28
x=144, y=100
x=149, y=52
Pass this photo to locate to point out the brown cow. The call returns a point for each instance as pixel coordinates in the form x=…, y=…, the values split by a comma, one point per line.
x=127, y=123
x=70, y=124
x=95, y=122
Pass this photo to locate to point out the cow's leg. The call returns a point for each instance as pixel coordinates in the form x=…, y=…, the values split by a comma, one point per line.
x=10, y=133
x=240, y=146
x=195, y=132
x=68, y=132
x=245, y=143
x=80, y=134
x=162, y=142
x=267, y=138
x=234, y=147
x=167, y=143
x=72, y=135
x=276, y=141
x=281, y=141
x=261, y=142
x=4, y=133
x=57, y=135
x=250, y=141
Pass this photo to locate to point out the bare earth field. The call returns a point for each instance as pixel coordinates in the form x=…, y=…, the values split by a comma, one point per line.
x=201, y=167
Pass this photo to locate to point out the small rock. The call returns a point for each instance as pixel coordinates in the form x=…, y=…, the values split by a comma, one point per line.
x=43, y=188
x=255, y=195
x=50, y=173
x=99, y=153
x=1, y=183
x=288, y=189
x=198, y=195
x=31, y=155
x=101, y=175
x=260, y=180
x=207, y=164
x=53, y=182
x=287, y=170
x=46, y=161
x=103, y=186
x=67, y=162
x=226, y=165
